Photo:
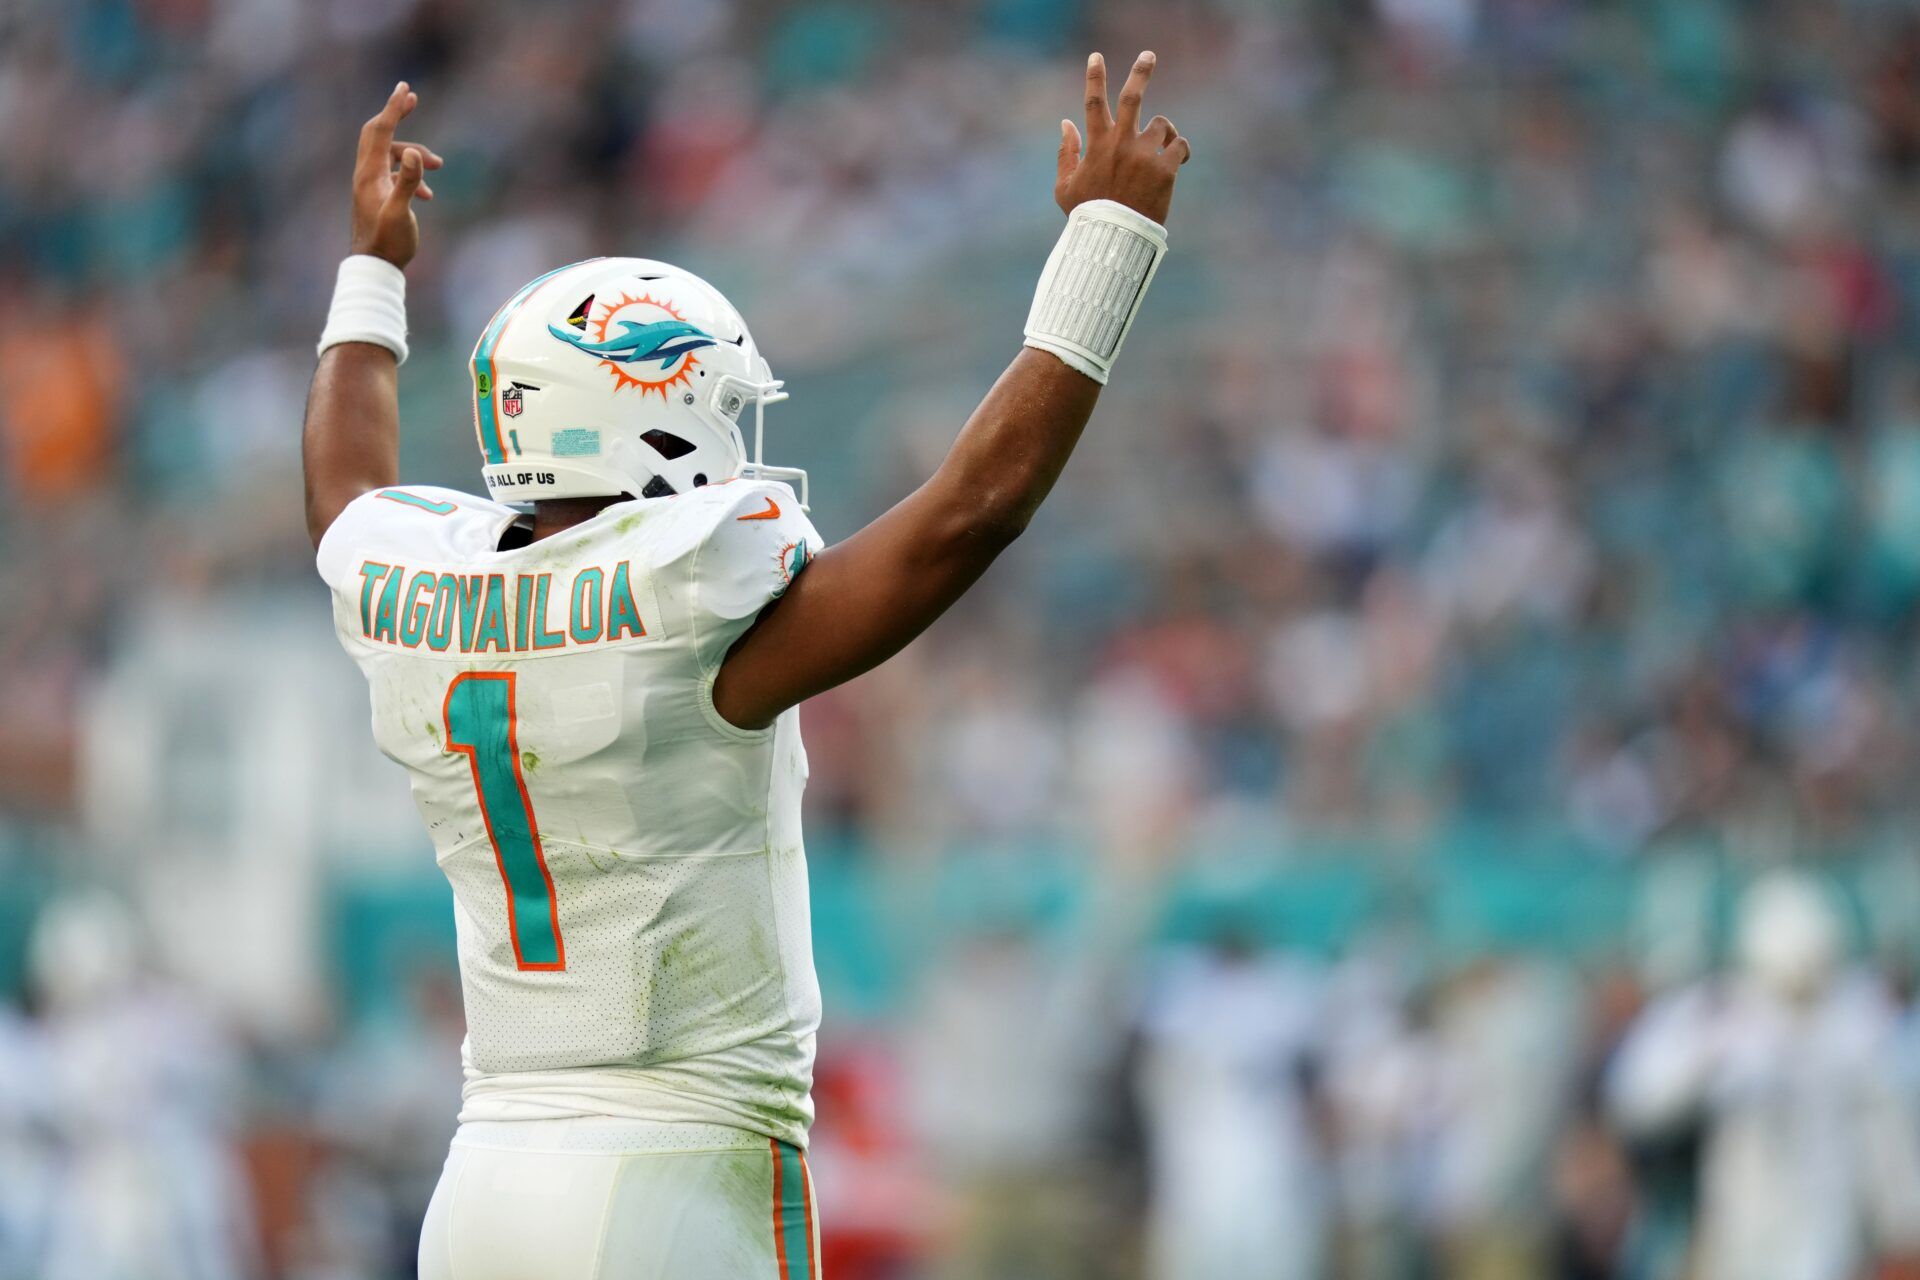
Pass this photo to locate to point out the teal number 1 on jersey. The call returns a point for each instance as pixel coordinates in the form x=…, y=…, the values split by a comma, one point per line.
x=481, y=726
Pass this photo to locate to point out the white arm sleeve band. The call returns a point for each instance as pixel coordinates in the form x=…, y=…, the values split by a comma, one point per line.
x=369, y=305
x=1092, y=287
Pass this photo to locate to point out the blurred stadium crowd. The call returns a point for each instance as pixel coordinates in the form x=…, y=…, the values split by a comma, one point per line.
x=1433, y=795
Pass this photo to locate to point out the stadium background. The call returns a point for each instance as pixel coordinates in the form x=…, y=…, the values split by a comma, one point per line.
x=1500, y=545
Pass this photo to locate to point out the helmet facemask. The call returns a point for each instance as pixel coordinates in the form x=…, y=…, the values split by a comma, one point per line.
x=734, y=395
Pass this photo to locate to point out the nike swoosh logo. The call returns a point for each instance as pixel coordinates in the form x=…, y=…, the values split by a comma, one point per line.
x=771, y=513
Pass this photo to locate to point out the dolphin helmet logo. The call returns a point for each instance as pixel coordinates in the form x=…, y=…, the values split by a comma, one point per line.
x=637, y=343
x=643, y=341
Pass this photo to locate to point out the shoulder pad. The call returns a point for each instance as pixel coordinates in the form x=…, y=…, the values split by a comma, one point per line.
x=753, y=539
x=410, y=523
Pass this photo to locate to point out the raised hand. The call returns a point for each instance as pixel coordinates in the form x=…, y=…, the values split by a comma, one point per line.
x=387, y=177
x=1123, y=162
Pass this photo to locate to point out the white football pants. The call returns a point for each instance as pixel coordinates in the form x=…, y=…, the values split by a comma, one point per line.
x=528, y=1211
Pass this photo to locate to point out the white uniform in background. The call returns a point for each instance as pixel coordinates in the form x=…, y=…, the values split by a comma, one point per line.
x=139, y=1087
x=1812, y=1161
x=1811, y=1169
x=630, y=890
x=1236, y=1177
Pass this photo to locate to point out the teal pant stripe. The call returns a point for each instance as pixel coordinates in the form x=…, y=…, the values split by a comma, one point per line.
x=483, y=355
x=795, y=1224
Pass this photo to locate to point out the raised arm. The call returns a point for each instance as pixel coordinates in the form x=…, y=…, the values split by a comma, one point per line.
x=351, y=442
x=862, y=600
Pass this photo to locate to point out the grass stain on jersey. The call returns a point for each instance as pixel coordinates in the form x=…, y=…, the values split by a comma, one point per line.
x=738, y=999
x=763, y=958
x=529, y=761
x=670, y=954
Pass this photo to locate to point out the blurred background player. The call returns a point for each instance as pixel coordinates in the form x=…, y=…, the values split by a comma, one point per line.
x=595, y=699
x=1808, y=1167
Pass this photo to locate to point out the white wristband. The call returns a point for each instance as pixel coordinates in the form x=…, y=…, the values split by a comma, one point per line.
x=1093, y=285
x=369, y=305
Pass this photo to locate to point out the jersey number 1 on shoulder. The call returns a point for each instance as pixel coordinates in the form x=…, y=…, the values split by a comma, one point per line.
x=481, y=726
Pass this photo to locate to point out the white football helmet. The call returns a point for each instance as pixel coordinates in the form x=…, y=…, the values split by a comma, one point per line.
x=619, y=376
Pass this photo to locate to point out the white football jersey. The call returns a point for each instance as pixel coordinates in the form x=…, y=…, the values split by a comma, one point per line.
x=630, y=891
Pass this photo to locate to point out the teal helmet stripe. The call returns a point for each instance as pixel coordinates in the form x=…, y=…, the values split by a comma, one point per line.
x=484, y=390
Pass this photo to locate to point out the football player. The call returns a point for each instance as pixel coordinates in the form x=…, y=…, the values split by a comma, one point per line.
x=591, y=676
